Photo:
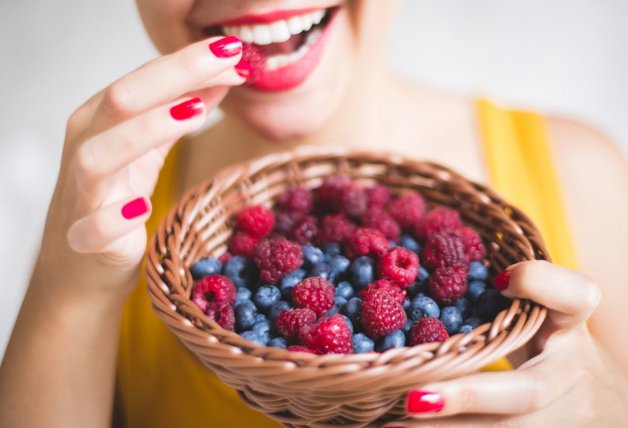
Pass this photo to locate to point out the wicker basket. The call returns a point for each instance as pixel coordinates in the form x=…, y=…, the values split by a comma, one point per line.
x=300, y=389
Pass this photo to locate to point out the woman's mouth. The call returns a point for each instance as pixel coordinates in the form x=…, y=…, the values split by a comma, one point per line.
x=290, y=41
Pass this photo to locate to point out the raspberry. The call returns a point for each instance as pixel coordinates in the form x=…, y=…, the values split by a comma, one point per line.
x=276, y=257
x=213, y=291
x=255, y=58
x=223, y=315
x=472, y=243
x=328, y=336
x=288, y=323
x=305, y=231
x=407, y=209
x=335, y=228
x=328, y=194
x=400, y=266
x=297, y=348
x=243, y=244
x=256, y=221
x=447, y=284
x=364, y=241
x=381, y=314
x=352, y=200
x=444, y=249
x=314, y=293
x=428, y=330
x=225, y=257
x=286, y=221
x=376, y=217
x=383, y=284
x=437, y=220
x=297, y=199
x=378, y=195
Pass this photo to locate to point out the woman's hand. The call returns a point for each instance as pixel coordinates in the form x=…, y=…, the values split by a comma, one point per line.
x=569, y=382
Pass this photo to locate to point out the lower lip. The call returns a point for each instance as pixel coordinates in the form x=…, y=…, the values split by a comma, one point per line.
x=293, y=75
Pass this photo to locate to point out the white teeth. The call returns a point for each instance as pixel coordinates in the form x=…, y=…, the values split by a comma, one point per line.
x=295, y=24
x=262, y=35
x=280, y=31
x=277, y=61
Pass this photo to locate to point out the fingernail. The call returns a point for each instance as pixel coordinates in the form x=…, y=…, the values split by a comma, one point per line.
x=424, y=402
x=187, y=109
x=243, y=69
x=135, y=208
x=502, y=280
x=226, y=47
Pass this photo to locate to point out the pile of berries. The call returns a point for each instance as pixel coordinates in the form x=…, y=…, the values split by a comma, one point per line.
x=344, y=269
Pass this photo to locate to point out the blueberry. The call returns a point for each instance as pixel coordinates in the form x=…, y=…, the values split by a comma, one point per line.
x=477, y=271
x=260, y=318
x=408, y=326
x=475, y=289
x=261, y=327
x=265, y=296
x=332, y=249
x=465, y=328
x=245, y=313
x=278, y=342
x=322, y=269
x=406, y=304
x=489, y=304
x=392, y=244
x=409, y=243
x=464, y=306
x=339, y=264
x=426, y=305
x=472, y=321
x=277, y=308
x=352, y=309
x=422, y=276
x=205, y=267
x=288, y=282
x=253, y=337
x=396, y=339
x=312, y=255
x=333, y=311
x=239, y=270
x=362, y=343
x=362, y=271
x=345, y=289
x=451, y=318
x=340, y=301
x=243, y=294
x=348, y=322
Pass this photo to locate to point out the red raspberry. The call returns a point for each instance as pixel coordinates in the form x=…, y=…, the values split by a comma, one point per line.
x=444, y=249
x=447, y=284
x=243, y=244
x=297, y=199
x=472, y=243
x=256, y=220
x=328, y=336
x=335, y=228
x=213, y=291
x=328, y=194
x=383, y=284
x=378, y=195
x=254, y=57
x=428, y=330
x=314, y=293
x=353, y=200
x=381, y=314
x=305, y=231
x=437, y=220
x=225, y=257
x=288, y=323
x=407, y=209
x=277, y=257
x=297, y=348
x=223, y=315
x=400, y=266
x=376, y=217
x=364, y=241
x=286, y=221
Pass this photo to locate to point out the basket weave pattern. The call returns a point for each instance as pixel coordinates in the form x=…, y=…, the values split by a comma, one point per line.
x=301, y=389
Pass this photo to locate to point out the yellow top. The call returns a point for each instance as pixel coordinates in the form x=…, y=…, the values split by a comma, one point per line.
x=161, y=384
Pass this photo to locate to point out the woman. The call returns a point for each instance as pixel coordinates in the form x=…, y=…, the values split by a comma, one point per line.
x=321, y=79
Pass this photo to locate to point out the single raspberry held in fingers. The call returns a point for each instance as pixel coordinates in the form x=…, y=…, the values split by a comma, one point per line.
x=399, y=265
x=255, y=220
x=378, y=196
x=335, y=228
x=314, y=293
x=378, y=218
x=276, y=257
x=223, y=315
x=383, y=284
x=288, y=323
x=254, y=59
x=472, y=243
x=366, y=241
x=213, y=291
x=447, y=284
x=407, y=209
x=328, y=336
x=444, y=249
x=297, y=199
x=428, y=330
x=437, y=220
x=381, y=314
x=243, y=244
x=305, y=231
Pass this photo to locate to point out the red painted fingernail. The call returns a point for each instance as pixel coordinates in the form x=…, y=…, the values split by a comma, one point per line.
x=243, y=68
x=424, y=402
x=135, y=208
x=226, y=47
x=502, y=280
x=187, y=109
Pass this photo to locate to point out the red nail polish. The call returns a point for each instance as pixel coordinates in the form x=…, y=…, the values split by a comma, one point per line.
x=243, y=68
x=135, y=208
x=187, y=109
x=502, y=280
x=226, y=47
x=424, y=402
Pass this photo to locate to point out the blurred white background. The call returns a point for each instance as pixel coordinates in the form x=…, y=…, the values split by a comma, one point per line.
x=567, y=57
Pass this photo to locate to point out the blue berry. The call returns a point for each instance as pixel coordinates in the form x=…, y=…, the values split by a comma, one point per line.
x=352, y=309
x=396, y=339
x=312, y=255
x=465, y=328
x=277, y=308
x=278, y=342
x=339, y=264
x=332, y=249
x=410, y=243
x=245, y=313
x=322, y=269
x=262, y=329
x=345, y=289
x=260, y=318
x=265, y=296
x=392, y=244
x=408, y=326
x=464, y=306
x=205, y=267
x=340, y=301
x=348, y=322
x=475, y=289
x=477, y=271
x=254, y=337
x=243, y=294
x=423, y=275
x=451, y=318
x=426, y=305
x=469, y=324
x=406, y=304
x=288, y=282
x=362, y=271
x=239, y=270
x=489, y=304
x=362, y=343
